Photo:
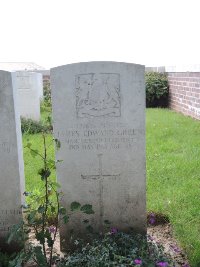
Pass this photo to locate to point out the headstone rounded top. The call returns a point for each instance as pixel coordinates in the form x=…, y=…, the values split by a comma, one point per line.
x=98, y=63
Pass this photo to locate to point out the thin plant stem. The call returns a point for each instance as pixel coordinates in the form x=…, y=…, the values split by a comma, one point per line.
x=46, y=195
x=56, y=230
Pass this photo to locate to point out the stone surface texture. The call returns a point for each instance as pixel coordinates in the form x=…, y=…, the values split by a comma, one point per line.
x=99, y=120
x=11, y=158
x=29, y=91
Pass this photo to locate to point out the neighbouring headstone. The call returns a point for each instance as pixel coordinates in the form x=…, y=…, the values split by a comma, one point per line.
x=30, y=93
x=11, y=159
x=39, y=83
x=99, y=122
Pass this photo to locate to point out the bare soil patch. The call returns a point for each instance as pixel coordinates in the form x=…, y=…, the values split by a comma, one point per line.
x=163, y=234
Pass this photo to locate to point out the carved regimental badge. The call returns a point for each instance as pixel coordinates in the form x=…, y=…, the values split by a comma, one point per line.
x=98, y=95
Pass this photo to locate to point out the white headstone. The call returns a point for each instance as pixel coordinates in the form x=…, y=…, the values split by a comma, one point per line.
x=39, y=83
x=30, y=93
x=99, y=119
x=11, y=159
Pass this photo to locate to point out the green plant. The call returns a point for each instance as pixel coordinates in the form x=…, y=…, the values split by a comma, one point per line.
x=120, y=250
x=47, y=95
x=4, y=259
x=45, y=106
x=30, y=126
x=157, y=89
x=45, y=109
x=37, y=216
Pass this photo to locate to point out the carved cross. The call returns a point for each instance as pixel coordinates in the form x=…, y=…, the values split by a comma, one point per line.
x=100, y=177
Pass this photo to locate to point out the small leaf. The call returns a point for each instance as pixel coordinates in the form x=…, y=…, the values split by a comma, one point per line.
x=62, y=211
x=75, y=206
x=47, y=234
x=51, y=164
x=40, y=236
x=31, y=216
x=66, y=219
x=44, y=173
x=58, y=144
x=26, y=194
x=41, y=209
x=53, y=209
x=25, y=206
x=39, y=256
x=50, y=242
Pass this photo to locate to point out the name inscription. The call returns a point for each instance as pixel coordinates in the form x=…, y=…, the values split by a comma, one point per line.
x=98, y=137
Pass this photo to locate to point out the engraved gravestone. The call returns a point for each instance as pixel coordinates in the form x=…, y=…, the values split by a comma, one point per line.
x=99, y=120
x=11, y=159
x=29, y=91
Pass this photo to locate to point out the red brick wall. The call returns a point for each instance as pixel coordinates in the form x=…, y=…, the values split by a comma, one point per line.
x=184, y=91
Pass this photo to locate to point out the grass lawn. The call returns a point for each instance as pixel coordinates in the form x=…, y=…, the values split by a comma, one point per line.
x=173, y=173
x=45, y=112
x=33, y=164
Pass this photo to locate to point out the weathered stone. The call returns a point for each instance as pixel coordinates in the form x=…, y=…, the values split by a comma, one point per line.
x=11, y=160
x=99, y=120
